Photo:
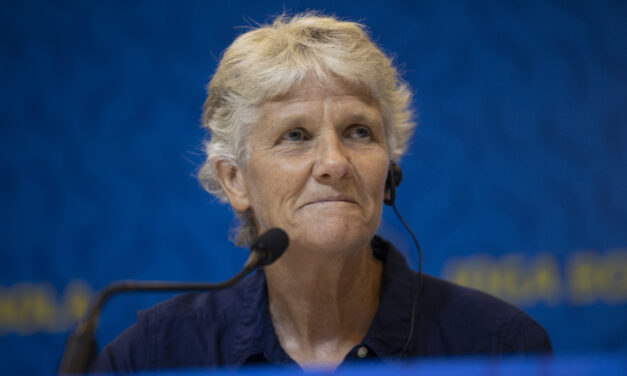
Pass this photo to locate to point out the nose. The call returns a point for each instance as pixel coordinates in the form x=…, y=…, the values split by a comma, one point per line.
x=332, y=163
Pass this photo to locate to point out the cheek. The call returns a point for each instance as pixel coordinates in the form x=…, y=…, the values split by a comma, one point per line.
x=376, y=175
x=274, y=181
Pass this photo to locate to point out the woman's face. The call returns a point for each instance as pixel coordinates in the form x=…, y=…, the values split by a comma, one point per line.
x=317, y=167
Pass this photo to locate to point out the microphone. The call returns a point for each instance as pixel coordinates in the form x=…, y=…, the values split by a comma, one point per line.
x=81, y=349
x=268, y=247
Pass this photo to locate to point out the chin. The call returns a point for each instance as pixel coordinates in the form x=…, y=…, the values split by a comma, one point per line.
x=335, y=237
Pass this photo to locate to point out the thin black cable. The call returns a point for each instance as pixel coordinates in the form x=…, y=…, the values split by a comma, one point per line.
x=419, y=290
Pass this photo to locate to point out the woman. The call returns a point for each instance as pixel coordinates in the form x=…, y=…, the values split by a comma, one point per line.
x=306, y=116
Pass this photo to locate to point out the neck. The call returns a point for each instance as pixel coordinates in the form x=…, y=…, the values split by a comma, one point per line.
x=323, y=306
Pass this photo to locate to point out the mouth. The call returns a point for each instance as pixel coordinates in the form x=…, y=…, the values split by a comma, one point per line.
x=336, y=199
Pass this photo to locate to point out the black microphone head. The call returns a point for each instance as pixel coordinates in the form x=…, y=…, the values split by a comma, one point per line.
x=270, y=245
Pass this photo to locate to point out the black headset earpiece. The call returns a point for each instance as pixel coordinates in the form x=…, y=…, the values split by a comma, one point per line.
x=395, y=175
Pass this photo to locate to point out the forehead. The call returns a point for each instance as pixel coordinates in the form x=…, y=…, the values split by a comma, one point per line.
x=337, y=95
x=311, y=85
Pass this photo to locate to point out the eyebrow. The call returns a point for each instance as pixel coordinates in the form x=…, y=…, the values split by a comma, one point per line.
x=291, y=120
x=363, y=117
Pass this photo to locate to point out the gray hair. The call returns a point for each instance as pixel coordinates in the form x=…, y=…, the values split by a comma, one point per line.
x=268, y=61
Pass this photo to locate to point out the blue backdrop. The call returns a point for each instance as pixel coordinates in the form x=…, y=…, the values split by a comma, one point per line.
x=514, y=183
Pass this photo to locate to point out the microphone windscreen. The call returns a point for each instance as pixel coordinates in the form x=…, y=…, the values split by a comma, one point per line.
x=270, y=245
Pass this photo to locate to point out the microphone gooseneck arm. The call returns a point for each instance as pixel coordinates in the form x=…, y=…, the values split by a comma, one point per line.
x=81, y=349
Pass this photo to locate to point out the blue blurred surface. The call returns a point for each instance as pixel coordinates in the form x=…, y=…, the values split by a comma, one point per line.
x=590, y=365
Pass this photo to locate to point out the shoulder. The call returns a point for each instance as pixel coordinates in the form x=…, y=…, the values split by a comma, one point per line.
x=216, y=306
x=191, y=329
x=479, y=322
x=452, y=319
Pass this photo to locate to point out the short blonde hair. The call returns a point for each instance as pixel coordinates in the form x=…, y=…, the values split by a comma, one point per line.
x=268, y=61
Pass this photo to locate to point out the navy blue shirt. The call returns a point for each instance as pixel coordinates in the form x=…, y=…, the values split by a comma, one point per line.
x=233, y=327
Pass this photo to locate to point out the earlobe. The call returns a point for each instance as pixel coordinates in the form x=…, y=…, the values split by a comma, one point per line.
x=232, y=182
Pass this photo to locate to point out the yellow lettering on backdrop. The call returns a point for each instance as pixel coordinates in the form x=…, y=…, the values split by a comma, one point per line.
x=8, y=311
x=594, y=277
x=590, y=277
x=616, y=261
x=27, y=308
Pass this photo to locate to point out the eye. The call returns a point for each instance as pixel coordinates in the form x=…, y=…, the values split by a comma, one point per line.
x=358, y=131
x=295, y=135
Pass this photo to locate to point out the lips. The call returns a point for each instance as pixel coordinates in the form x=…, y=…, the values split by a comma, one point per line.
x=341, y=198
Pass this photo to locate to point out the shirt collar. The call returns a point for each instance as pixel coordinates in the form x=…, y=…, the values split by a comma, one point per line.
x=255, y=339
x=391, y=325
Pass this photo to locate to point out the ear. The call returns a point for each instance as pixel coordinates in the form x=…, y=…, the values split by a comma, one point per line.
x=233, y=183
